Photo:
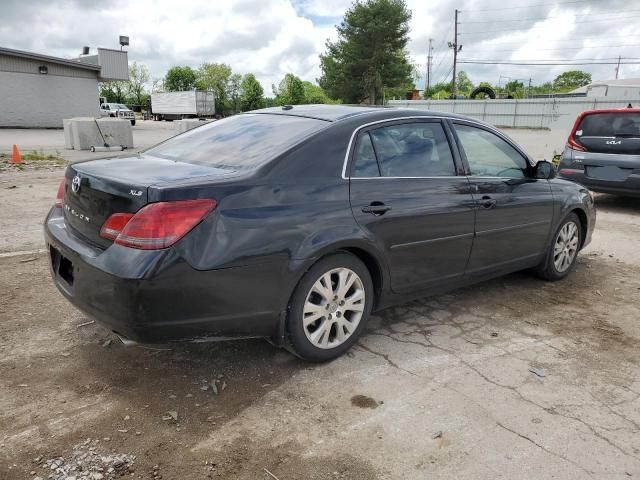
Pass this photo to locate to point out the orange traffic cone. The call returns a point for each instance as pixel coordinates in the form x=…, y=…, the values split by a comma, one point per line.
x=15, y=155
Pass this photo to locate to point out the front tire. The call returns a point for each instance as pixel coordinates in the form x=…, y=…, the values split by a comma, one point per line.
x=330, y=308
x=563, y=252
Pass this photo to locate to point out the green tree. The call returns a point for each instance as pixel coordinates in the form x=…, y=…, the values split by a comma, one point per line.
x=233, y=91
x=314, y=94
x=439, y=90
x=399, y=92
x=442, y=94
x=270, y=102
x=216, y=77
x=464, y=85
x=290, y=91
x=114, y=92
x=370, y=53
x=514, y=88
x=139, y=76
x=572, y=79
x=179, y=79
x=251, y=93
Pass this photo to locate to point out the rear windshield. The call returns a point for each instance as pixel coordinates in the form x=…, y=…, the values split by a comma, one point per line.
x=241, y=142
x=610, y=125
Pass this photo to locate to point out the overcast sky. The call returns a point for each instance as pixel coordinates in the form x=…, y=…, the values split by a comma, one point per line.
x=273, y=37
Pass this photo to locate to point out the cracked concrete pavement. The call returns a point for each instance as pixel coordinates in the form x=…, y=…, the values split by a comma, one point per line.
x=459, y=364
x=438, y=388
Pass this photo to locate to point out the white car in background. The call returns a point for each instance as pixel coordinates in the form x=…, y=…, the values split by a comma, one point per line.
x=117, y=110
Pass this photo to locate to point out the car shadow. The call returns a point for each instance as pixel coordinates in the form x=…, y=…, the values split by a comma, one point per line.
x=617, y=204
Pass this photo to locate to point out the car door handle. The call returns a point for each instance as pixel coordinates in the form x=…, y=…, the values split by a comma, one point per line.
x=376, y=208
x=487, y=202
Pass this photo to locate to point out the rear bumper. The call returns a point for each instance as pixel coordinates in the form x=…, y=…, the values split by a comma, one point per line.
x=156, y=296
x=630, y=186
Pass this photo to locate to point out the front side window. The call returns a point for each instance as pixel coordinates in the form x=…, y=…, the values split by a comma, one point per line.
x=489, y=155
x=418, y=149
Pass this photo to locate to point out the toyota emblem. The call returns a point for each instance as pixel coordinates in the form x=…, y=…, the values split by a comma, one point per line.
x=75, y=184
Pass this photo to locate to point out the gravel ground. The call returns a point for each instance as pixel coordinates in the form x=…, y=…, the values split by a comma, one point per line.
x=513, y=378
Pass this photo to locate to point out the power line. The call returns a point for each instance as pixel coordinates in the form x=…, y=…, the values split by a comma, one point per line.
x=527, y=6
x=510, y=42
x=522, y=29
x=439, y=51
x=482, y=62
x=438, y=66
x=624, y=15
x=556, y=49
x=569, y=60
x=444, y=77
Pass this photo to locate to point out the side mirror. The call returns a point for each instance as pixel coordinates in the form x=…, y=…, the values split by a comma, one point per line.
x=544, y=170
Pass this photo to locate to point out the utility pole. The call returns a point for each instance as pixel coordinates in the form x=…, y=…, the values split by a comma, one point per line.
x=429, y=60
x=529, y=89
x=618, y=67
x=456, y=49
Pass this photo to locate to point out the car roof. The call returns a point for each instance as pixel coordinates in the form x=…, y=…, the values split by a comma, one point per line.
x=336, y=113
x=611, y=110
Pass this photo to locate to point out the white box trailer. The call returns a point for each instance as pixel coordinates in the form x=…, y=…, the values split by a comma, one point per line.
x=180, y=105
x=615, y=91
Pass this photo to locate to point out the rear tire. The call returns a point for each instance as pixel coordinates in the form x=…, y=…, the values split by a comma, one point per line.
x=329, y=308
x=563, y=251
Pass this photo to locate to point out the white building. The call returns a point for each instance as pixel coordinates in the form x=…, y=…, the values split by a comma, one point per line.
x=39, y=90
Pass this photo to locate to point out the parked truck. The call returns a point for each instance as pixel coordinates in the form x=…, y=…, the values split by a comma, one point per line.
x=180, y=105
x=117, y=110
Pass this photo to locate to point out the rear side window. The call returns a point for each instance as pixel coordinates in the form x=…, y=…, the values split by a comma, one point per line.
x=609, y=125
x=365, y=164
x=241, y=142
x=418, y=149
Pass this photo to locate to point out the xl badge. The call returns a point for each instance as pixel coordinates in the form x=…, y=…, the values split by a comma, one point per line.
x=75, y=184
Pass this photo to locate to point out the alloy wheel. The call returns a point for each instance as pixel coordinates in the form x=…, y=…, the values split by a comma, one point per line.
x=566, y=246
x=333, y=308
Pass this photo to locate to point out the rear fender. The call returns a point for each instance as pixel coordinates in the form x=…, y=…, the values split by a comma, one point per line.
x=328, y=241
x=569, y=200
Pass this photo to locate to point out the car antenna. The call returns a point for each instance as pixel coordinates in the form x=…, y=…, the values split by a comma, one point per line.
x=287, y=107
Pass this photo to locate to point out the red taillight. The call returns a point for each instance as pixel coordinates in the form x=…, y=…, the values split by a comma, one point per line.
x=572, y=144
x=114, y=225
x=571, y=141
x=157, y=225
x=60, y=195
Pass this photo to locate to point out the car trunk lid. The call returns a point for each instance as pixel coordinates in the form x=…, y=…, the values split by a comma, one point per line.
x=609, y=132
x=94, y=190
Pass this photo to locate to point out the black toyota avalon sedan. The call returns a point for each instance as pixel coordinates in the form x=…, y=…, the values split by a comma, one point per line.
x=295, y=223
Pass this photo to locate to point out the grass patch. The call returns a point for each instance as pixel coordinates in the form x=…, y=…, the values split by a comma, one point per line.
x=40, y=155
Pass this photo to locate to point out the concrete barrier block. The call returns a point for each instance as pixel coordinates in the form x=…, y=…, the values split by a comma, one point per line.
x=84, y=132
x=67, y=126
x=182, y=126
x=119, y=131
